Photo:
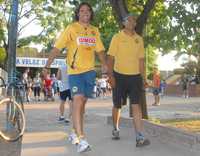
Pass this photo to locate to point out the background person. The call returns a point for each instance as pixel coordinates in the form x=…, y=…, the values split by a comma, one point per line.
x=156, y=86
x=37, y=86
x=65, y=93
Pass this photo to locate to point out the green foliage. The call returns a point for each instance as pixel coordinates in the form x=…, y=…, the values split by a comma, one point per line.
x=49, y=14
x=190, y=67
x=172, y=24
x=150, y=56
x=2, y=55
x=106, y=22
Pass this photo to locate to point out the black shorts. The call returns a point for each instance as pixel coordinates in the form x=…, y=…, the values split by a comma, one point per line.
x=156, y=91
x=127, y=86
x=103, y=89
x=65, y=94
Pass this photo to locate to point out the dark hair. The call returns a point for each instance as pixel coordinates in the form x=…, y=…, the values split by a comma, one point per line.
x=76, y=16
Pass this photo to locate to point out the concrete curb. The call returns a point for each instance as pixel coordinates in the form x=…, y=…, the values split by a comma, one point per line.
x=165, y=133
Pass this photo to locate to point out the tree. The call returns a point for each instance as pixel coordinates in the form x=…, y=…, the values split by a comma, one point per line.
x=49, y=14
x=186, y=22
x=120, y=7
x=2, y=54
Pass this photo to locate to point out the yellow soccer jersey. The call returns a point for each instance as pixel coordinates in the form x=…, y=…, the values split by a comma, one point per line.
x=81, y=43
x=127, y=51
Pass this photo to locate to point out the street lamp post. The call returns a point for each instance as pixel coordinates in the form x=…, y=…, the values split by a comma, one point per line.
x=12, y=38
x=7, y=148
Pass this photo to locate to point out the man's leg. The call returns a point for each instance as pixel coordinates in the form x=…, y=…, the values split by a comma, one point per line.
x=70, y=109
x=82, y=115
x=155, y=99
x=158, y=99
x=137, y=118
x=78, y=106
x=61, y=111
x=73, y=138
x=116, y=112
x=139, y=126
x=62, y=108
x=78, y=120
x=116, y=118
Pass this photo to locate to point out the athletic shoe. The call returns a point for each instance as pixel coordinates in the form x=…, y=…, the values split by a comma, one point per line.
x=83, y=146
x=115, y=134
x=67, y=121
x=61, y=118
x=73, y=139
x=156, y=104
x=142, y=142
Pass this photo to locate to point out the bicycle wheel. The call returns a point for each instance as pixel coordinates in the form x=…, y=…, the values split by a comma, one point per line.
x=12, y=120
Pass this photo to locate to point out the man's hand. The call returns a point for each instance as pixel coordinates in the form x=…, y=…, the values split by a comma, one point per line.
x=104, y=69
x=111, y=81
x=146, y=84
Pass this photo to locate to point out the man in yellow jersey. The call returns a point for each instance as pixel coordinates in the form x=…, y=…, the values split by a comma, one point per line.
x=82, y=40
x=125, y=71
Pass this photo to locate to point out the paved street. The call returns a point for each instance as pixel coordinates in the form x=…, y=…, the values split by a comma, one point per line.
x=45, y=136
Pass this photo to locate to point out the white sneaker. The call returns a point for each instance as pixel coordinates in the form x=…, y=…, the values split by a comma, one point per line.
x=73, y=139
x=83, y=146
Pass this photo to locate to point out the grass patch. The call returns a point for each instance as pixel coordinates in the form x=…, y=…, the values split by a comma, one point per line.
x=191, y=125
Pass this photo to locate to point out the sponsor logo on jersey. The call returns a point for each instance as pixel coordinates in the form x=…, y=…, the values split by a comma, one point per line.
x=74, y=89
x=93, y=33
x=88, y=41
x=136, y=40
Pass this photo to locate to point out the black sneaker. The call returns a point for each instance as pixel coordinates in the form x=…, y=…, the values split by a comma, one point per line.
x=61, y=118
x=115, y=134
x=142, y=142
x=67, y=121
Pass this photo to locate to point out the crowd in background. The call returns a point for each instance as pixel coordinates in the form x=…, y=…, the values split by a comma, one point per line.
x=38, y=89
x=36, y=85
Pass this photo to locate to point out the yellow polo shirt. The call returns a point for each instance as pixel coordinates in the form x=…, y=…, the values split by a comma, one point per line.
x=81, y=43
x=127, y=51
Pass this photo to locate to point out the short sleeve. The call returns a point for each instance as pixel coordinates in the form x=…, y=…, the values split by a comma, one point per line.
x=99, y=44
x=113, y=46
x=64, y=38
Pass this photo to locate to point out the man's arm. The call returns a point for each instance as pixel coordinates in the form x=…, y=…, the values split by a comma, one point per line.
x=58, y=75
x=143, y=70
x=53, y=54
x=110, y=64
x=102, y=58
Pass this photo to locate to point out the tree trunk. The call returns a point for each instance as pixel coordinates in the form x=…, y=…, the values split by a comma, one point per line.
x=120, y=10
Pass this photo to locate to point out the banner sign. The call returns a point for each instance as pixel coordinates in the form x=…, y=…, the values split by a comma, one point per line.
x=37, y=62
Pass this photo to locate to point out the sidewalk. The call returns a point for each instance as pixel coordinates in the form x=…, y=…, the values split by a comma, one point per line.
x=46, y=137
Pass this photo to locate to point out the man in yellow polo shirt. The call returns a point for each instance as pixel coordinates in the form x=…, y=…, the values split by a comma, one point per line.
x=125, y=69
x=82, y=40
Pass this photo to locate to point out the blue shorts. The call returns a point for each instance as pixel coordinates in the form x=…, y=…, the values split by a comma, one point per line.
x=83, y=83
